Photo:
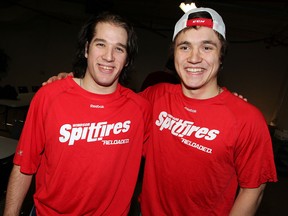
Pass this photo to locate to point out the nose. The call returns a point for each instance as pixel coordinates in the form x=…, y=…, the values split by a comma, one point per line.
x=195, y=56
x=108, y=55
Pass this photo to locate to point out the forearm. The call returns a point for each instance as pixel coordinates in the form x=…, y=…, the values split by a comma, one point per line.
x=247, y=201
x=18, y=186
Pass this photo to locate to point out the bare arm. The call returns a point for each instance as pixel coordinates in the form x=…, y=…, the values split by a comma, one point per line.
x=18, y=186
x=247, y=201
x=61, y=75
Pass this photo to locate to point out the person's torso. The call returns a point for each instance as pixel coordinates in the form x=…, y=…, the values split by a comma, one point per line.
x=191, y=162
x=92, y=151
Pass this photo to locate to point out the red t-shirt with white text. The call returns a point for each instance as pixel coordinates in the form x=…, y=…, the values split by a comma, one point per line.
x=85, y=148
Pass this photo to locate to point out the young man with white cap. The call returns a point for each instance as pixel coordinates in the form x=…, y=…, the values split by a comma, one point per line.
x=206, y=142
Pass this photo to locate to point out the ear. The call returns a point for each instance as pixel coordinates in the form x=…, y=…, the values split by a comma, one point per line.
x=86, y=49
x=127, y=62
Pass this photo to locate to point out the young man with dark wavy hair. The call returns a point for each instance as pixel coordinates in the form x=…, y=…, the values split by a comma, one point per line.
x=83, y=136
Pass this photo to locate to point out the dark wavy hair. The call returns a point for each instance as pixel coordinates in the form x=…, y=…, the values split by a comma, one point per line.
x=87, y=33
x=224, y=43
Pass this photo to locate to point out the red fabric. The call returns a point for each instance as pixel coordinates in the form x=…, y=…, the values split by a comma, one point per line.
x=200, y=22
x=200, y=150
x=85, y=148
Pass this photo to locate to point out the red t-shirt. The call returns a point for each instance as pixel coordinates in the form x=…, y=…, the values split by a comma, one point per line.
x=200, y=151
x=84, y=148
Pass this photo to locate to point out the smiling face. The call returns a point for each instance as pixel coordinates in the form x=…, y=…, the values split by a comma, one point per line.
x=106, y=56
x=196, y=58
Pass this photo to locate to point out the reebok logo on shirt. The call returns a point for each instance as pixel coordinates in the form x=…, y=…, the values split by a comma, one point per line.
x=91, y=132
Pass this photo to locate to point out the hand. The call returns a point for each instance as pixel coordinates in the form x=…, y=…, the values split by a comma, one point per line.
x=240, y=96
x=60, y=76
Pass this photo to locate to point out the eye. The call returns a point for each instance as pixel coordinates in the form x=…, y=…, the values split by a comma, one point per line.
x=100, y=44
x=120, y=49
x=207, y=48
x=184, y=47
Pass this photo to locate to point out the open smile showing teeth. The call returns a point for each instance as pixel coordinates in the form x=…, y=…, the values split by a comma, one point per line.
x=194, y=70
x=106, y=67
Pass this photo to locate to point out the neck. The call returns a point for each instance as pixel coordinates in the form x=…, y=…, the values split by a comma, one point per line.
x=96, y=88
x=202, y=93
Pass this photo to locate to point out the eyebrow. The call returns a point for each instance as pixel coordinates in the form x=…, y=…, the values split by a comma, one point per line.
x=202, y=42
x=210, y=42
x=183, y=43
x=104, y=41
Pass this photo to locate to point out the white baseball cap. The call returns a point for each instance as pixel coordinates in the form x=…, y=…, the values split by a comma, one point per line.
x=216, y=23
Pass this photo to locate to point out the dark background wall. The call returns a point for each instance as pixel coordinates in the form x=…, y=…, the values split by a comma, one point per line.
x=39, y=39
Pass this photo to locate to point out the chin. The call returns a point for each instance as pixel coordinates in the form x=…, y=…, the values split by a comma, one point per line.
x=106, y=83
x=191, y=86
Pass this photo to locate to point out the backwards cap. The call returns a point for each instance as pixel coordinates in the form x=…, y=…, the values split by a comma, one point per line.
x=216, y=23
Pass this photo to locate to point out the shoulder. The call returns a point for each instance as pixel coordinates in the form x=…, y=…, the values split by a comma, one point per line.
x=162, y=89
x=53, y=89
x=58, y=85
x=137, y=99
x=241, y=108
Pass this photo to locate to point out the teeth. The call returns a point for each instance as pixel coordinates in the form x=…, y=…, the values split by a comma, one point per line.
x=107, y=68
x=194, y=70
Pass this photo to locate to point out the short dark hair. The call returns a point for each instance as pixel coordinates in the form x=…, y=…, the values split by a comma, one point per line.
x=224, y=43
x=87, y=33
